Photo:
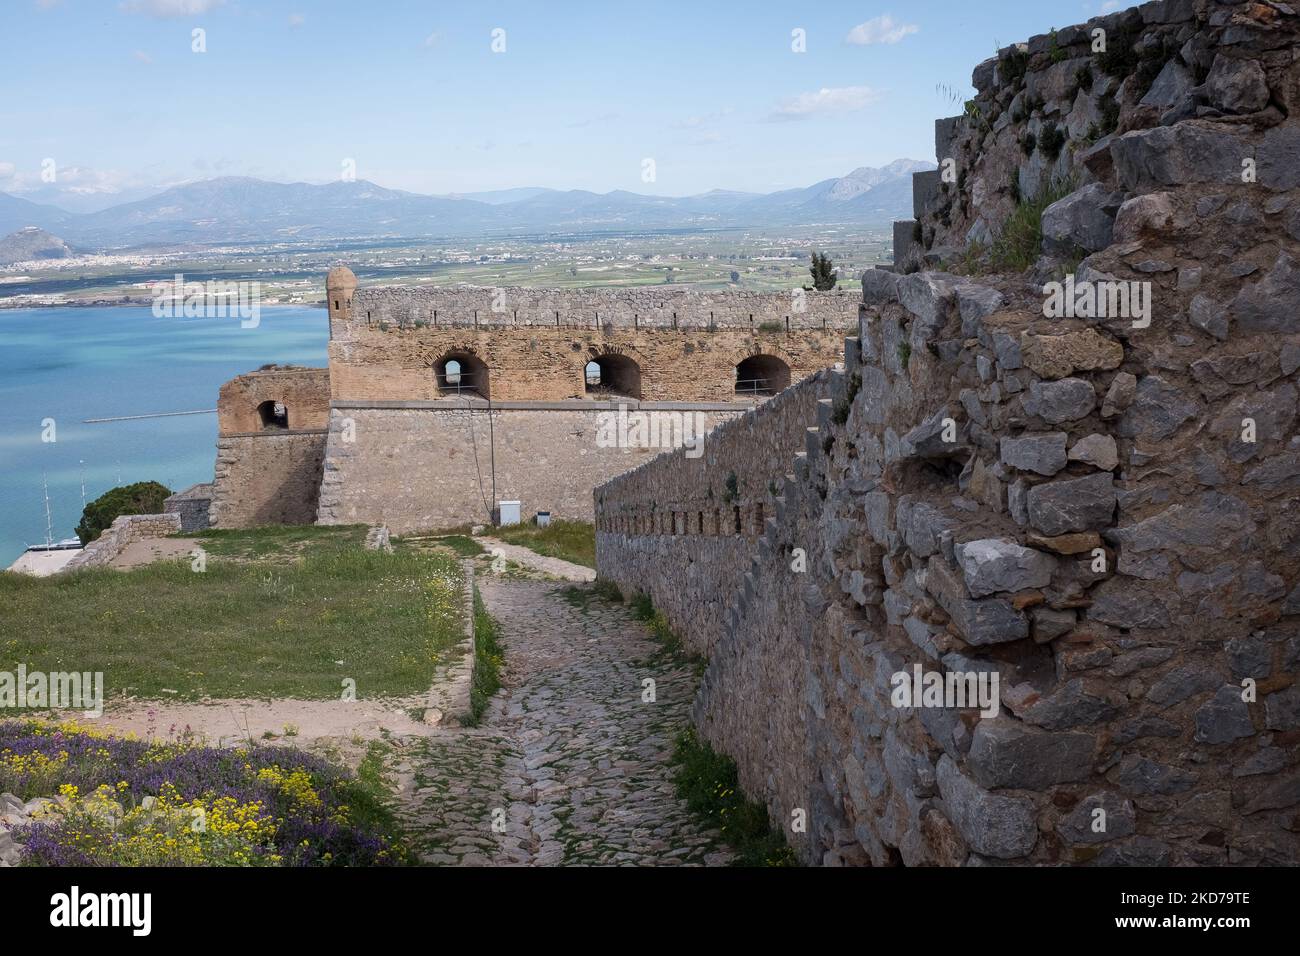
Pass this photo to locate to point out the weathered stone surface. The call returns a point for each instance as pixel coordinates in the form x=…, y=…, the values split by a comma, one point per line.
x=1006, y=753
x=929, y=296
x=1085, y=219
x=1079, y=703
x=1120, y=394
x=1269, y=305
x=1158, y=410
x=978, y=622
x=1096, y=450
x=1058, y=356
x=1072, y=504
x=1282, y=709
x=975, y=302
x=1172, y=84
x=1139, y=775
x=1236, y=85
x=1208, y=316
x=1078, y=543
x=1042, y=454
x=1182, y=682
x=1084, y=825
x=1122, y=602
x=1048, y=624
x=1212, y=520
x=1192, y=152
x=1224, y=718
x=930, y=439
x=996, y=826
x=879, y=287
x=1150, y=214
x=1065, y=401
x=991, y=565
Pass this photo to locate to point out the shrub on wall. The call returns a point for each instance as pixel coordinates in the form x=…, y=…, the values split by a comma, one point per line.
x=141, y=498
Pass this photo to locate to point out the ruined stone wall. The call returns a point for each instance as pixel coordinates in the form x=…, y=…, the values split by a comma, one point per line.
x=704, y=514
x=419, y=466
x=1099, y=510
x=265, y=478
x=536, y=343
x=124, y=531
x=305, y=393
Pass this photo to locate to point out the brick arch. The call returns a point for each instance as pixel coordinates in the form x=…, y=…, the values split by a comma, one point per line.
x=618, y=374
x=760, y=373
x=461, y=371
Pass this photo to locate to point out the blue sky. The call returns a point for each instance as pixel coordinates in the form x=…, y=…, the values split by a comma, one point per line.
x=413, y=93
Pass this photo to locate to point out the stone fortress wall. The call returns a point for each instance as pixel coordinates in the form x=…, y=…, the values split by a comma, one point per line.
x=268, y=473
x=382, y=437
x=1099, y=512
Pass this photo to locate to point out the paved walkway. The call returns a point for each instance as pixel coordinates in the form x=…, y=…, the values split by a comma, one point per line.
x=555, y=567
x=569, y=765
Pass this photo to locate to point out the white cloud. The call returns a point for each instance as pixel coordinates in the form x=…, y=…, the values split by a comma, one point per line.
x=170, y=8
x=1109, y=5
x=142, y=56
x=296, y=20
x=433, y=39
x=882, y=29
x=48, y=4
x=843, y=99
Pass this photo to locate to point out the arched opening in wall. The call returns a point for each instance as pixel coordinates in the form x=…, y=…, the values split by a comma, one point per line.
x=761, y=375
x=612, y=375
x=273, y=415
x=461, y=373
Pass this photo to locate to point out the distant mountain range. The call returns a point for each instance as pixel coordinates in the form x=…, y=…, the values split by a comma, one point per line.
x=240, y=209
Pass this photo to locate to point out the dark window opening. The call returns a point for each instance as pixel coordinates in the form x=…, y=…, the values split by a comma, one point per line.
x=612, y=375
x=761, y=375
x=461, y=373
x=273, y=415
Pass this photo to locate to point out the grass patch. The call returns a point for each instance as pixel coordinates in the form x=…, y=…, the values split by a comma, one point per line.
x=463, y=545
x=242, y=628
x=707, y=781
x=488, y=659
x=278, y=541
x=581, y=597
x=573, y=541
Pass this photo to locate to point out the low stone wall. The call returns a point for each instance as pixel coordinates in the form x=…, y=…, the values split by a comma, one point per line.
x=193, y=505
x=267, y=478
x=420, y=466
x=123, y=531
x=684, y=529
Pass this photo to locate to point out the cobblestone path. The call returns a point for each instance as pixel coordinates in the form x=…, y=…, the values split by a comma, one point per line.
x=569, y=765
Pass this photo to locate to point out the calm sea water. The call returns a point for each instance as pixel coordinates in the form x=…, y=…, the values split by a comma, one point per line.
x=74, y=364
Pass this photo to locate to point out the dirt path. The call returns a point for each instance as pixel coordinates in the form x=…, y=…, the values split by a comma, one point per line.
x=570, y=766
x=555, y=567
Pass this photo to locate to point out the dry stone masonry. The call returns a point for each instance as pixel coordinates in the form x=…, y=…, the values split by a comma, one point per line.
x=1096, y=506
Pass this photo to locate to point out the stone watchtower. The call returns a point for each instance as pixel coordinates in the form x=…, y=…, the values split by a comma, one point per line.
x=340, y=285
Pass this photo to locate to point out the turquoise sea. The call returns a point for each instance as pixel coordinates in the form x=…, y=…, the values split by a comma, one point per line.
x=71, y=364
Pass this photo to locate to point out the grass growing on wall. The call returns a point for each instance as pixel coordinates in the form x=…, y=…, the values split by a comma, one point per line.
x=488, y=659
x=573, y=541
x=707, y=781
x=1021, y=241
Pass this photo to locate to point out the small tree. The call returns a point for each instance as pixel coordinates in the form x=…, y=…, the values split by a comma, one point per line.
x=141, y=498
x=735, y=276
x=823, y=272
